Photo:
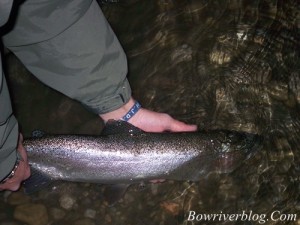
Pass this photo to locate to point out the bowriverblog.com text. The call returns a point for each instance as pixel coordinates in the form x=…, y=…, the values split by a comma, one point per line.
x=243, y=216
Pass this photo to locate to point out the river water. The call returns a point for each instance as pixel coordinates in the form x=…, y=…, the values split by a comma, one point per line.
x=219, y=64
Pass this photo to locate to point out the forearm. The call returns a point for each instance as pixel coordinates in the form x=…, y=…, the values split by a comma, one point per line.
x=85, y=62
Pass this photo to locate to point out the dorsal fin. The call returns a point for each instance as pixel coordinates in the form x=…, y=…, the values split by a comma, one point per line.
x=38, y=133
x=120, y=127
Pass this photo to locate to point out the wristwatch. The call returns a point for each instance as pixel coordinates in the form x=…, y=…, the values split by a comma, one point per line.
x=13, y=172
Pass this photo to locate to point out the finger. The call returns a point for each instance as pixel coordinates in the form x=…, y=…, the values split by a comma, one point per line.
x=27, y=172
x=22, y=151
x=178, y=126
x=20, y=138
x=157, y=181
x=11, y=185
x=23, y=172
x=14, y=186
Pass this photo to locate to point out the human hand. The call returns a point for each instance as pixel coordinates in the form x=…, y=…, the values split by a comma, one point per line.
x=22, y=172
x=150, y=121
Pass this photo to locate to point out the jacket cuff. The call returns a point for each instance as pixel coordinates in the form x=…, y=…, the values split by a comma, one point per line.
x=120, y=97
x=7, y=165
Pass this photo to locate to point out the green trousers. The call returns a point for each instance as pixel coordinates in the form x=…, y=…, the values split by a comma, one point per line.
x=69, y=46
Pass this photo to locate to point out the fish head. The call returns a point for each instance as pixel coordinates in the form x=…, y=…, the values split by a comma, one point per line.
x=234, y=148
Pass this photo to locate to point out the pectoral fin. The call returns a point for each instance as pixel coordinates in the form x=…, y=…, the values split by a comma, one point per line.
x=36, y=182
x=114, y=193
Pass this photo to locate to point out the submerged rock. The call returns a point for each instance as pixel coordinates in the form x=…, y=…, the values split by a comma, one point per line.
x=8, y=223
x=67, y=202
x=32, y=214
x=84, y=222
x=90, y=213
x=57, y=214
x=18, y=198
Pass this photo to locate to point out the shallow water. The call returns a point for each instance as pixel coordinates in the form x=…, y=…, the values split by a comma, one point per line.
x=219, y=64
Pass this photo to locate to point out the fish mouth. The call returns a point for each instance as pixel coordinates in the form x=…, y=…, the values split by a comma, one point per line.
x=246, y=142
x=253, y=143
x=237, y=148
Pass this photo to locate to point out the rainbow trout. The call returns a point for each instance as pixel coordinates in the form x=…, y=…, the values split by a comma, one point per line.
x=125, y=154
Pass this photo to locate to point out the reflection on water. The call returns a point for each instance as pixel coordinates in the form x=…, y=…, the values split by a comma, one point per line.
x=219, y=64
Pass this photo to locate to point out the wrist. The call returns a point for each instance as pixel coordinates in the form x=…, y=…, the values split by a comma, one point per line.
x=13, y=172
x=118, y=113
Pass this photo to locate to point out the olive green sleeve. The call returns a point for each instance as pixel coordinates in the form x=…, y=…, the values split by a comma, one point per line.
x=5, y=8
x=8, y=130
x=8, y=123
x=84, y=60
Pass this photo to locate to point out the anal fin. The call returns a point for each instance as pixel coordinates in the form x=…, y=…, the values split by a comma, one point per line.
x=114, y=193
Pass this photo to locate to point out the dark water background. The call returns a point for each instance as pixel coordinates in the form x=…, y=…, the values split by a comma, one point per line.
x=219, y=64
